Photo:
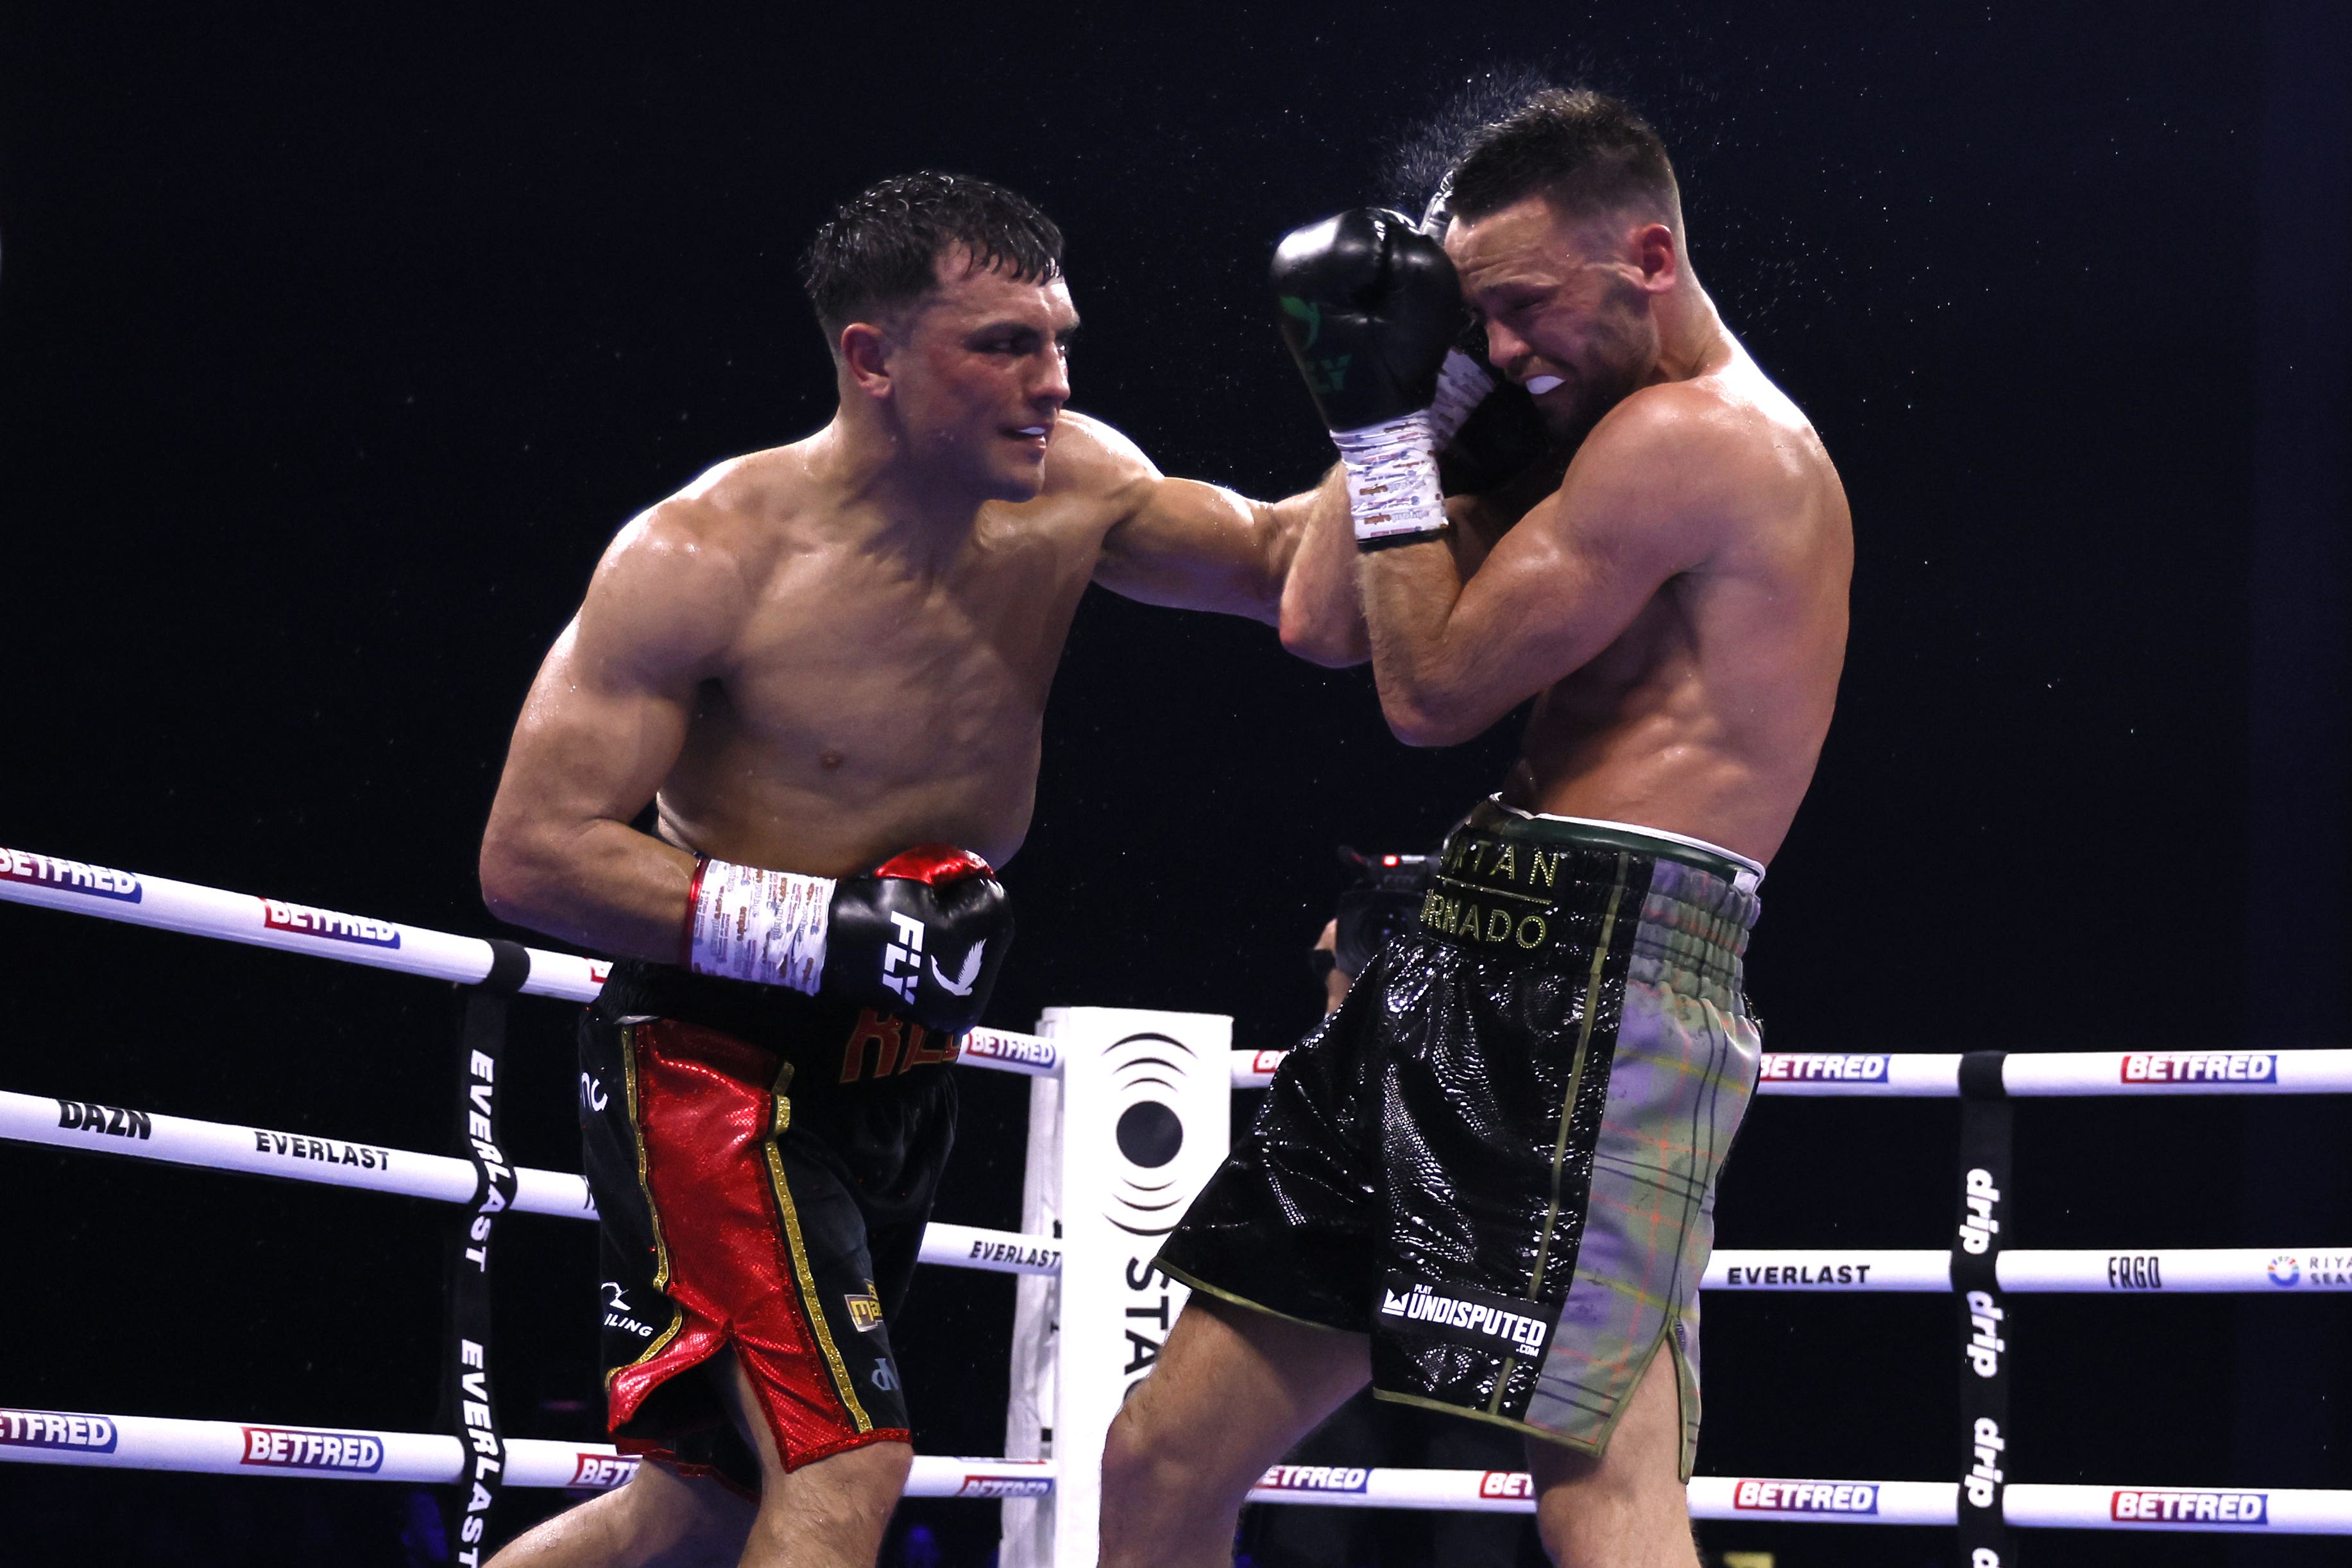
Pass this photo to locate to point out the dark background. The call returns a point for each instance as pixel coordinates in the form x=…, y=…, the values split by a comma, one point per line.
x=333, y=349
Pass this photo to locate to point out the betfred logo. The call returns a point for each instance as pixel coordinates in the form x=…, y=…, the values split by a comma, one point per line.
x=2201, y=1066
x=327, y=923
x=1507, y=1484
x=1315, y=1479
x=989, y=1046
x=1004, y=1486
x=49, y=1429
x=287, y=1448
x=1805, y=1497
x=601, y=1473
x=68, y=876
x=1824, y=1069
x=2189, y=1508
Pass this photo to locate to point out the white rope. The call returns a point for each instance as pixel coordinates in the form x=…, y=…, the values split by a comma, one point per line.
x=2175, y=1271
x=343, y=1453
x=137, y=899
x=359, y=1454
x=342, y=1163
x=2024, y=1074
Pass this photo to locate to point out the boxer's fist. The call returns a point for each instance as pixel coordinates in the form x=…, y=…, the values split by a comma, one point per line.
x=1369, y=306
x=924, y=936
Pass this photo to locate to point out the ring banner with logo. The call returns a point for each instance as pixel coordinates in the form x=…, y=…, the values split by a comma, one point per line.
x=468, y=1410
x=1145, y=1116
x=1985, y=1149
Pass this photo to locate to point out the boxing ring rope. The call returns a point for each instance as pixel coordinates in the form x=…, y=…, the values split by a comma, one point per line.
x=156, y=1443
x=342, y=1163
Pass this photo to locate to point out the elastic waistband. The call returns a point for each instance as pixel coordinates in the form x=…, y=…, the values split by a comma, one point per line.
x=1504, y=821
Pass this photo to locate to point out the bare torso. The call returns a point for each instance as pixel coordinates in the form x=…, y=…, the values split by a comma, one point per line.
x=873, y=698
x=1706, y=716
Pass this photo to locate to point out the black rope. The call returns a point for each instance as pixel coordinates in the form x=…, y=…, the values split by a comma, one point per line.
x=1985, y=1155
x=467, y=1409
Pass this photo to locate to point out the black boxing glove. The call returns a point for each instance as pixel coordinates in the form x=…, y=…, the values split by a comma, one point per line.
x=923, y=935
x=1370, y=306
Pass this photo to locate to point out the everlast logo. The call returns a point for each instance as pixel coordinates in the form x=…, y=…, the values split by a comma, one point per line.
x=292, y=1147
x=887, y=1036
x=1785, y=1274
x=103, y=1121
x=1006, y=1252
x=68, y=876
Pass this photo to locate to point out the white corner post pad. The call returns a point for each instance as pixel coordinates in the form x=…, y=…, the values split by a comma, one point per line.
x=1463, y=383
x=747, y=923
x=1393, y=489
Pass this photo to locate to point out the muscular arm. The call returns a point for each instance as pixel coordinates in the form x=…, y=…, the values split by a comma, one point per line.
x=602, y=728
x=1202, y=547
x=1459, y=641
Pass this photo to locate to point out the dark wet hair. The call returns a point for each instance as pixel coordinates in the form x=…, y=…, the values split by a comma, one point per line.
x=877, y=253
x=1584, y=152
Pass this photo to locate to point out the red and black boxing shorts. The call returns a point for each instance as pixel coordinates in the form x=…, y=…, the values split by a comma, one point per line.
x=763, y=1164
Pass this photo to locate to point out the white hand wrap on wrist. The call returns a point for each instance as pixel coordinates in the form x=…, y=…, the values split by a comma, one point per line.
x=745, y=923
x=1463, y=383
x=1392, y=489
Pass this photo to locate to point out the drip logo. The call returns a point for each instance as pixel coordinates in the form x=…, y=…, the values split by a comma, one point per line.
x=1985, y=1343
x=2285, y=1271
x=1978, y=1224
x=1984, y=1478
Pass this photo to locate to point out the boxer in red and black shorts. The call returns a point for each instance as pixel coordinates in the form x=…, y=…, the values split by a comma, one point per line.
x=807, y=659
x=763, y=1164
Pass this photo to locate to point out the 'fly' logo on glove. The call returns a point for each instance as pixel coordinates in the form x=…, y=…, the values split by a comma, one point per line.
x=907, y=950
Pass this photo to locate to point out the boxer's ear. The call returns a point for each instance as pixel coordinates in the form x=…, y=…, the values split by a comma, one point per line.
x=864, y=349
